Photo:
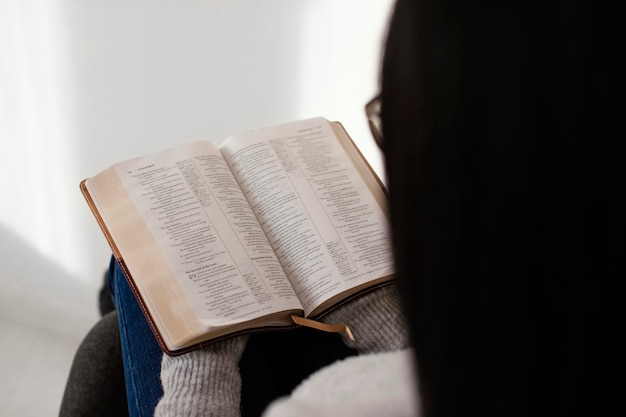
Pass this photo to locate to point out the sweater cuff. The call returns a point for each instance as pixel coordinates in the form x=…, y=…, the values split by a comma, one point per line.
x=204, y=382
x=376, y=321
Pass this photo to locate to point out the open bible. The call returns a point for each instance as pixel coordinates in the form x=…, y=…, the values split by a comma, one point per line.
x=271, y=225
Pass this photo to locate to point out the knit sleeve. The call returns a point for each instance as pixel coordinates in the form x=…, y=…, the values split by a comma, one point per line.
x=204, y=382
x=376, y=321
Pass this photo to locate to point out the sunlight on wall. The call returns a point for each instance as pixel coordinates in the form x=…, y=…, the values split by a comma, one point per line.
x=35, y=121
x=341, y=51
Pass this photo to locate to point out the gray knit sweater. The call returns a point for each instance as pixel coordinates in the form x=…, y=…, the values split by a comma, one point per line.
x=207, y=382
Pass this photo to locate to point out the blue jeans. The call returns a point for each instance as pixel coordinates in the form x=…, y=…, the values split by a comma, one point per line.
x=141, y=353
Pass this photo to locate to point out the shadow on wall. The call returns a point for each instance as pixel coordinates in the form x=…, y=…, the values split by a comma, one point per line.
x=38, y=293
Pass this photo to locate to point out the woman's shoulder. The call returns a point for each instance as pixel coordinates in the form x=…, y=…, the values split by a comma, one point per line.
x=365, y=385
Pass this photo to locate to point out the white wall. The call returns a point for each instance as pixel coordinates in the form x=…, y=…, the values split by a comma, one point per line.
x=85, y=83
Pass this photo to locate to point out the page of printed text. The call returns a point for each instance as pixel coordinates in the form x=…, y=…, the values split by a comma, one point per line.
x=327, y=230
x=208, y=232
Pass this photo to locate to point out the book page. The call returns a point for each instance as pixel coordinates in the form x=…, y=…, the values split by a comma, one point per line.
x=208, y=234
x=327, y=229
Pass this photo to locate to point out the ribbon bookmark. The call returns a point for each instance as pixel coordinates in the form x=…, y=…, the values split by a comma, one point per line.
x=331, y=328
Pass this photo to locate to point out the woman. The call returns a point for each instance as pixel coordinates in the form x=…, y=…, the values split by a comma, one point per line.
x=504, y=146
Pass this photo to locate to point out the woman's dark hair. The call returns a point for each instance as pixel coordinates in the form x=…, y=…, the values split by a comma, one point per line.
x=503, y=126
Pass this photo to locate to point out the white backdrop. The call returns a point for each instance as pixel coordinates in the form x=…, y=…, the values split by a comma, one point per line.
x=86, y=83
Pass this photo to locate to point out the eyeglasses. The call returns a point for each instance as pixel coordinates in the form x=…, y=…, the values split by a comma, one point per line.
x=372, y=111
